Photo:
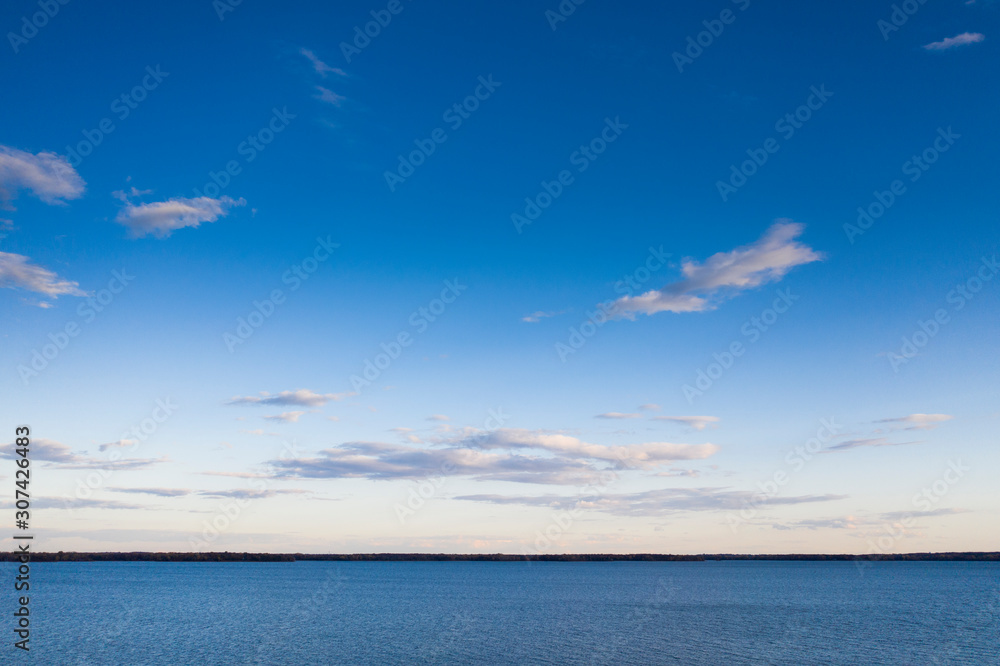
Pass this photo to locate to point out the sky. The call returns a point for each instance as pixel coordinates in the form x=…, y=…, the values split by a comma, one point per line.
x=515, y=277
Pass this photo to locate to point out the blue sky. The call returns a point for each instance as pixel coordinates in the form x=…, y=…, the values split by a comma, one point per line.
x=635, y=302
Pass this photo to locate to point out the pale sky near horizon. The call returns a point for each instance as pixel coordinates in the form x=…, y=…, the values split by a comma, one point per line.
x=719, y=277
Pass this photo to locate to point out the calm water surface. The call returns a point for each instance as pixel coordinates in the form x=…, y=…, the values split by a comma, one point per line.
x=511, y=613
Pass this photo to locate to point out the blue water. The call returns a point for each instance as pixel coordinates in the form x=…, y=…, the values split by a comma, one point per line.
x=510, y=613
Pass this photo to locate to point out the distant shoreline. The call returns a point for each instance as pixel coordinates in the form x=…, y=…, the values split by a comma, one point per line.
x=497, y=557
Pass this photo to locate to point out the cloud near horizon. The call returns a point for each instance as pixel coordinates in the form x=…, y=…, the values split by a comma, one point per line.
x=652, y=502
x=161, y=218
x=724, y=275
x=47, y=176
x=963, y=39
x=17, y=272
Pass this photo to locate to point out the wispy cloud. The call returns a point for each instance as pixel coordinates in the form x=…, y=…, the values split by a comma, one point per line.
x=650, y=407
x=895, y=516
x=17, y=272
x=158, y=492
x=47, y=176
x=958, y=40
x=501, y=455
x=43, y=450
x=652, y=502
x=251, y=494
x=161, y=218
x=725, y=275
x=62, y=457
x=617, y=415
x=862, y=443
x=647, y=455
x=300, y=398
x=538, y=315
x=846, y=523
x=696, y=422
x=119, y=444
x=285, y=417
x=328, y=96
x=919, y=421
x=319, y=66
x=77, y=503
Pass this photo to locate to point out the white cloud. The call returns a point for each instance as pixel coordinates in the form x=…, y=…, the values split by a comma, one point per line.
x=319, y=66
x=958, y=40
x=650, y=407
x=644, y=456
x=861, y=443
x=328, y=96
x=696, y=422
x=159, y=492
x=725, y=274
x=511, y=455
x=17, y=272
x=300, y=398
x=161, y=218
x=285, y=417
x=919, y=421
x=652, y=502
x=120, y=444
x=538, y=315
x=438, y=417
x=617, y=415
x=46, y=175
x=47, y=450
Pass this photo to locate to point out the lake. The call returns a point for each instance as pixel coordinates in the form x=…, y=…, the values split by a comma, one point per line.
x=732, y=612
